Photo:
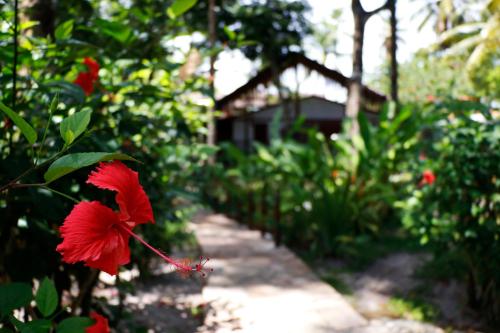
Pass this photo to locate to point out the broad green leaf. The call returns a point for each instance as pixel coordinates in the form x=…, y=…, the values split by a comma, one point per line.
x=28, y=131
x=67, y=89
x=64, y=30
x=116, y=30
x=74, y=325
x=13, y=296
x=229, y=33
x=179, y=7
x=401, y=117
x=5, y=330
x=36, y=326
x=265, y=155
x=384, y=113
x=74, y=125
x=72, y=162
x=208, y=150
x=28, y=24
x=46, y=297
x=365, y=129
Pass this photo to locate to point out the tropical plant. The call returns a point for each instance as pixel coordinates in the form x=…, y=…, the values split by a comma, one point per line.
x=316, y=195
x=91, y=85
x=453, y=202
x=478, y=38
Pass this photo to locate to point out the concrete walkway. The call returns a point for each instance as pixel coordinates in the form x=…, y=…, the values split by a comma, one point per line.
x=256, y=287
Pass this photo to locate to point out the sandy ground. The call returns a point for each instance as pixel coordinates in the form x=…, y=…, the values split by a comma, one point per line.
x=371, y=290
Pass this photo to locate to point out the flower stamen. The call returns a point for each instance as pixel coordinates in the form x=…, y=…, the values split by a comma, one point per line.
x=182, y=266
x=200, y=267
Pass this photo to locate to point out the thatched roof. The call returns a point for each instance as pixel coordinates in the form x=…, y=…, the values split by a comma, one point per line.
x=267, y=74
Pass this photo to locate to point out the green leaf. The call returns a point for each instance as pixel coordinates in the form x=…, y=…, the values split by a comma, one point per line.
x=36, y=326
x=67, y=89
x=28, y=24
x=53, y=104
x=229, y=33
x=74, y=325
x=64, y=30
x=179, y=7
x=28, y=131
x=14, y=296
x=400, y=118
x=72, y=162
x=74, y=125
x=116, y=30
x=365, y=129
x=46, y=297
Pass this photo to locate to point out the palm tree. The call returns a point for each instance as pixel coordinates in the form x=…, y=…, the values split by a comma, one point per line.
x=443, y=14
x=477, y=38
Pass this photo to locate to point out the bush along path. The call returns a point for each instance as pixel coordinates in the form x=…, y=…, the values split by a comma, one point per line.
x=257, y=287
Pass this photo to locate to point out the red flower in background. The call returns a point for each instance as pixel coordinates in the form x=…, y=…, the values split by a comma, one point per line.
x=431, y=98
x=428, y=178
x=100, y=326
x=97, y=235
x=92, y=66
x=86, y=80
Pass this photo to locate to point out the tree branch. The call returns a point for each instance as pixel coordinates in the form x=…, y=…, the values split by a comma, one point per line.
x=377, y=10
x=16, y=42
x=357, y=8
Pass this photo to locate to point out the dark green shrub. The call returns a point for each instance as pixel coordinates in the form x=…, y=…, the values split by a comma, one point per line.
x=459, y=209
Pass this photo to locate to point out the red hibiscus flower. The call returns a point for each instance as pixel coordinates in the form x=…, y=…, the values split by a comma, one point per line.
x=100, y=325
x=430, y=98
x=86, y=80
x=93, y=67
x=428, y=178
x=97, y=235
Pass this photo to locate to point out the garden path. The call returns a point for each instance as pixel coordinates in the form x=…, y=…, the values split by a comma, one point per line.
x=256, y=287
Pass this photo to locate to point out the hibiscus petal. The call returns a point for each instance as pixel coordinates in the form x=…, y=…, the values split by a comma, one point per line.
x=86, y=82
x=91, y=233
x=100, y=326
x=93, y=67
x=135, y=207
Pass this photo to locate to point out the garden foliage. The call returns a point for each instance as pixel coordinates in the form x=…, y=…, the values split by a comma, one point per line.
x=316, y=193
x=97, y=84
x=433, y=165
x=458, y=209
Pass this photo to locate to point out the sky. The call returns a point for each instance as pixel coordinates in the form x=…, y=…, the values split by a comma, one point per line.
x=233, y=70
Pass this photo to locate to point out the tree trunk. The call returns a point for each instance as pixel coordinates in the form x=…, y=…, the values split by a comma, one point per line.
x=355, y=98
x=211, y=129
x=44, y=12
x=393, y=50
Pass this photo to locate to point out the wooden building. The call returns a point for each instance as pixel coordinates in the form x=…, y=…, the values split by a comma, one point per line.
x=249, y=110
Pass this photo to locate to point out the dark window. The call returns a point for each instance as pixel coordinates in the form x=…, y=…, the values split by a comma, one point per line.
x=261, y=133
x=224, y=130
